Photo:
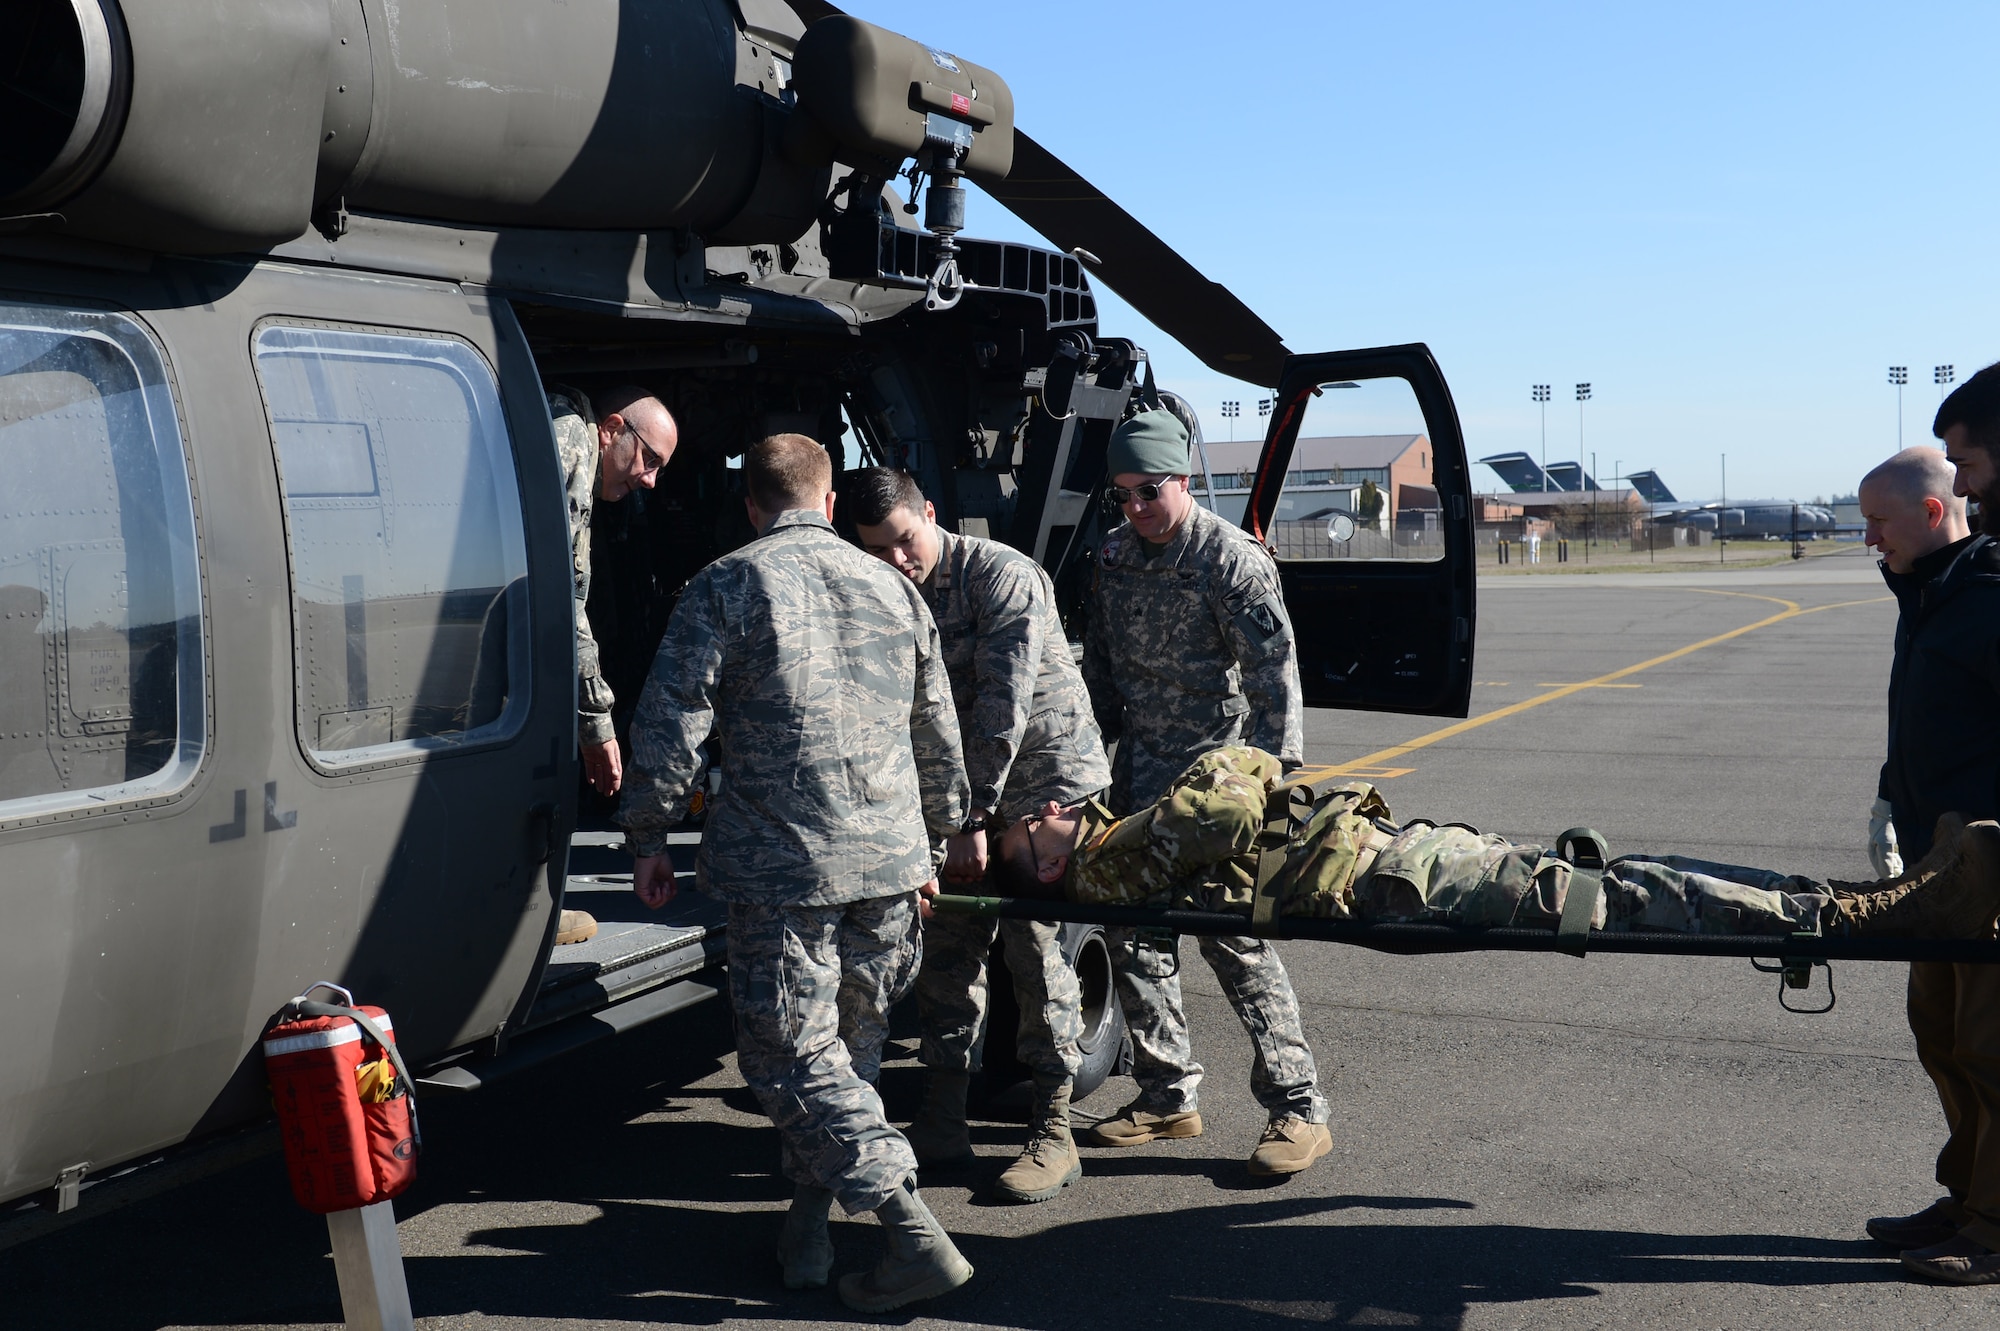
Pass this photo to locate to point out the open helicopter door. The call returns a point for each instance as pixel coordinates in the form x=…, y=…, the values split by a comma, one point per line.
x=1364, y=494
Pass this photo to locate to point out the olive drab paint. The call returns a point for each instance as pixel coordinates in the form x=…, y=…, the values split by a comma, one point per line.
x=283, y=290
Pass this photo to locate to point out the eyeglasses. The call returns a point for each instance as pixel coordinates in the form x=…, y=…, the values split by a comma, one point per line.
x=1145, y=494
x=650, y=458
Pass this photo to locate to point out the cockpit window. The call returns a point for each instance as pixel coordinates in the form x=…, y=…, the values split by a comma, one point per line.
x=408, y=555
x=100, y=591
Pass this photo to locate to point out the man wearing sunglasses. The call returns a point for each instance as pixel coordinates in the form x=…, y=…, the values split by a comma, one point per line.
x=1025, y=720
x=1189, y=649
x=602, y=459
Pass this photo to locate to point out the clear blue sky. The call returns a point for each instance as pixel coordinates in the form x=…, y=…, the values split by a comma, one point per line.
x=1729, y=218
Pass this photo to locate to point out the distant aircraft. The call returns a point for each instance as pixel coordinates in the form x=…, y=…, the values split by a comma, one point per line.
x=1744, y=518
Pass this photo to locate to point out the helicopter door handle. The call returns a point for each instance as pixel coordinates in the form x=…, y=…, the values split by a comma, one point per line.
x=541, y=833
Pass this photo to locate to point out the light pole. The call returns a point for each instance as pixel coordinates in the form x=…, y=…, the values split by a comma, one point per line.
x=1263, y=415
x=1899, y=375
x=1943, y=376
x=1583, y=396
x=1542, y=397
x=1230, y=411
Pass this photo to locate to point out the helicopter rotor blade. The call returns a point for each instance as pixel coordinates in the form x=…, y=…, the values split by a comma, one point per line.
x=1121, y=251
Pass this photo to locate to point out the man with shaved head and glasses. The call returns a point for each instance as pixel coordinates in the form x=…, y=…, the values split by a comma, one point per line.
x=604, y=457
x=1944, y=753
x=1188, y=648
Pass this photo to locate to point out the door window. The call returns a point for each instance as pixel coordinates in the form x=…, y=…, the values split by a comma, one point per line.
x=1360, y=484
x=408, y=556
x=100, y=592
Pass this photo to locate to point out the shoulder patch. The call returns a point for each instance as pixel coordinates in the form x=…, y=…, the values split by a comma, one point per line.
x=1108, y=553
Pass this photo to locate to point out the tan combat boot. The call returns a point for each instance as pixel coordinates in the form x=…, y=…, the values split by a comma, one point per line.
x=575, y=926
x=939, y=1134
x=1050, y=1163
x=1134, y=1126
x=1953, y=893
x=922, y=1262
x=1289, y=1145
x=805, y=1249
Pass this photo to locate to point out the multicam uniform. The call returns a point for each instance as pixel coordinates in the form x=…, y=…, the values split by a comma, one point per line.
x=1029, y=737
x=1196, y=848
x=818, y=669
x=1188, y=649
x=576, y=446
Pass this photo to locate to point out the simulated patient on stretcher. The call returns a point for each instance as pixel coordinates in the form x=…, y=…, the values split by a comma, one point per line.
x=1231, y=835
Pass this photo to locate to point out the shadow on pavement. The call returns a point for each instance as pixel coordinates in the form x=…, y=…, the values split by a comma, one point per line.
x=611, y=1201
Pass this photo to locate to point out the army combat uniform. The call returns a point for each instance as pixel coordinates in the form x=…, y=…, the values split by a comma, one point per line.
x=576, y=446
x=1189, y=648
x=817, y=667
x=1197, y=849
x=1029, y=737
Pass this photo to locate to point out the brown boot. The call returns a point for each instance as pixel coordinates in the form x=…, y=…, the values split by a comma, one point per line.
x=922, y=1261
x=575, y=926
x=1050, y=1163
x=939, y=1134
x=1953, y=893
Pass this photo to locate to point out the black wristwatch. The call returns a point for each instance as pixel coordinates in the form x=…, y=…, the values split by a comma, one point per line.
x=982, y=820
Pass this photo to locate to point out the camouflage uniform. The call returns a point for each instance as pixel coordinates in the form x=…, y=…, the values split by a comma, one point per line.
x=1188, y=649
x=576, y=446
x=1029, y=737
x=1196, y=848
x=817, y=669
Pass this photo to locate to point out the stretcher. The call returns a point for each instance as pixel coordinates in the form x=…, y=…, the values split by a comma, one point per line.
x=1792, y=957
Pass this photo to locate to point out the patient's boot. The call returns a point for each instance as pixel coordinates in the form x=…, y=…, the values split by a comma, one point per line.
x=1953, y=893
x=922, y=1261
x=805, y=1249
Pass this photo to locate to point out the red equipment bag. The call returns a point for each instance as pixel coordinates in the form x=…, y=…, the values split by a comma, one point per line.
x=346, y=1104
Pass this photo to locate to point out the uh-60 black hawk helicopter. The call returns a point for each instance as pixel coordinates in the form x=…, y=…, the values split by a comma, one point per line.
x=285, y=594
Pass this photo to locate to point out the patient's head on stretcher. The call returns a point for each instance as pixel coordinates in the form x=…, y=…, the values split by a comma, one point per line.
x=1034, y=854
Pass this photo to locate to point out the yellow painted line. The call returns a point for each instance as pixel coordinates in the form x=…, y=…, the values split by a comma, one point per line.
x=1588, y=685
x=1383, y=757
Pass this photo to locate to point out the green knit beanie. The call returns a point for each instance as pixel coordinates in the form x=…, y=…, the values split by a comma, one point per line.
x=1153, y=443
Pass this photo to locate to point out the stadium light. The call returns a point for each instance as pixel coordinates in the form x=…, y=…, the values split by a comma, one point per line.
x=1542, y=397
x=1899, y=375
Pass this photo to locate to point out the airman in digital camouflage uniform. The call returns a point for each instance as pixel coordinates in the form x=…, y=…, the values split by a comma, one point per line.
x=818, y=671
x=1189, y=648
x=1199, y=848
x=606, y=458
x=1029, y=737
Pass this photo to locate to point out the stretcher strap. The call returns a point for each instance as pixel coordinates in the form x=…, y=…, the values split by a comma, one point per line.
x=1289, y=805
x=1579, y=909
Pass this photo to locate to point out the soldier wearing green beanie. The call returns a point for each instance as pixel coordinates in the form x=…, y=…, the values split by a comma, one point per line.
x=1189, y=649
x=1151, y=444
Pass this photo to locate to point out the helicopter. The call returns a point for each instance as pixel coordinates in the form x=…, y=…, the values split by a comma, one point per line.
x=285, y=586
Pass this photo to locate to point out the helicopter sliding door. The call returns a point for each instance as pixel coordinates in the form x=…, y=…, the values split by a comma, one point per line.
x=1364, y=494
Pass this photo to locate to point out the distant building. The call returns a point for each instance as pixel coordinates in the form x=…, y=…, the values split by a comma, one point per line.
x=1328, y=473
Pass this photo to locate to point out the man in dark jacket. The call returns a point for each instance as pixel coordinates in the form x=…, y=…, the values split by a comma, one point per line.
x=1944, y=755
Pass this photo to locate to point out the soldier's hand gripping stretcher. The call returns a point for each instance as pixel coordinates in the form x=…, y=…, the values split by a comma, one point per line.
x=1231, y=836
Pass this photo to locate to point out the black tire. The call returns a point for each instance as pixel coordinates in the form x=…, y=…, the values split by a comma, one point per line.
x=1104, y=1041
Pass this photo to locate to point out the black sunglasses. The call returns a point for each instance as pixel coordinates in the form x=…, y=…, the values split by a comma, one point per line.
x=650, y=458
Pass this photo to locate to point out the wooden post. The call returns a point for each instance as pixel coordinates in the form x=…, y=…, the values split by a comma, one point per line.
x=368, y=1262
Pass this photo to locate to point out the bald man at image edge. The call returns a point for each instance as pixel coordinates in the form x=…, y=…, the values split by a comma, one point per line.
x=1188, y=649
x=1944, y=756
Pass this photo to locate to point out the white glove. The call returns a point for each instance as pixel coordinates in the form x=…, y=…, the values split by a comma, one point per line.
x=1882, y=841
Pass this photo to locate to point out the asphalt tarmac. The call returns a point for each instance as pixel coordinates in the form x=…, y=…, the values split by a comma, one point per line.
x=1520, y=1141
